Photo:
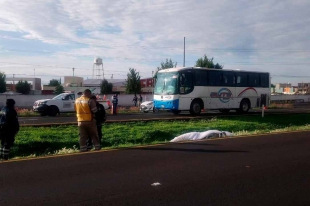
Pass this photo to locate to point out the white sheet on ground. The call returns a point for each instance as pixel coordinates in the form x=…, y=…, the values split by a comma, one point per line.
x=202, y=135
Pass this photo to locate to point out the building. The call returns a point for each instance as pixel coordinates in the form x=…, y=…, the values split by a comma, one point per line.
x=303, y=88
x=73, y=81
x=147, y=85
x=284, y=88
x=118, y=84
x=35, y=83
x=283, y=85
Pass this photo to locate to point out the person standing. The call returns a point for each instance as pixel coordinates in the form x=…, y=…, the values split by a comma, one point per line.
x=85, y=111
x=135, y=99
x=9, y=128
x=100, y=117
x=140, y=100
x=114, y=102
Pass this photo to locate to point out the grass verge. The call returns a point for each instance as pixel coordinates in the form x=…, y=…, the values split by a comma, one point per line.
x=37, y=141
x=22, y=112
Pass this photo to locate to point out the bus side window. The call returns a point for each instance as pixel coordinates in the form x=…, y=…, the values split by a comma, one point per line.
x=182, y=79
x=186, y=82
x=241, y=80
x=264, y=80
x=201, y=78
x=215, y=78
x=228, y=79
x=253, y=80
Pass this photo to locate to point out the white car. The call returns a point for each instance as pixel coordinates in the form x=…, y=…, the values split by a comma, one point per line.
x=147, y=106
x=60, y=104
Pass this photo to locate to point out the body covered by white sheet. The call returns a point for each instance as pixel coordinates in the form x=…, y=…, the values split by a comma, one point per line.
x=201, y=135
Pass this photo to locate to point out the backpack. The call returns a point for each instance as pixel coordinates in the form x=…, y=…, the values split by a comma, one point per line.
x=101, y=114
x=2, y=120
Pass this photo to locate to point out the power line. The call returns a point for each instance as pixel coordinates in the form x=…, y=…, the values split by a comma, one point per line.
x=57, y=67
x=171, y=48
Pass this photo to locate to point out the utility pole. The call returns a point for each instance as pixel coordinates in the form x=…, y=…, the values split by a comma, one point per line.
x=184, y=54
x=13, y=79
x=73, y=76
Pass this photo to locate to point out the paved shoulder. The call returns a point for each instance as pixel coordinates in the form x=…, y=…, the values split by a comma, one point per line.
x=262, y=170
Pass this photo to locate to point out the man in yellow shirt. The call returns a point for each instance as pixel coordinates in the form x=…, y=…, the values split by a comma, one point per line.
x=85, y=111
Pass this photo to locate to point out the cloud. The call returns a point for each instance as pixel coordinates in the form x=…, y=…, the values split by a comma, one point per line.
x=132, y=33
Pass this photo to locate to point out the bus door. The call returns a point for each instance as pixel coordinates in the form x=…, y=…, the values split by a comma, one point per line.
x=186, y=86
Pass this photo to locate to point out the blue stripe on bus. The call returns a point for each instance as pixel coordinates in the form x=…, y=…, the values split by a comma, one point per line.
x=167, y=104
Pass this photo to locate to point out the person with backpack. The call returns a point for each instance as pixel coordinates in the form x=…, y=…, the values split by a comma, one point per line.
x=9, y=127
x=100, y=117
x=85, y=111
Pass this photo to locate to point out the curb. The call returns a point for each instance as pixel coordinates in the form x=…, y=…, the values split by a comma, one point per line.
x=158, y=119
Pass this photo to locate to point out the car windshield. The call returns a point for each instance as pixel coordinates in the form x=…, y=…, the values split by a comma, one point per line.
x=61, y=96
x=166, y=83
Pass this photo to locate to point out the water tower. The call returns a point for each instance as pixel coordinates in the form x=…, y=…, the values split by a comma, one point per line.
x=98, y=68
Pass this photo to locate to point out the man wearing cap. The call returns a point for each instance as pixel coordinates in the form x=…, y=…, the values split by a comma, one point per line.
x=85, y=111
x=9, y=127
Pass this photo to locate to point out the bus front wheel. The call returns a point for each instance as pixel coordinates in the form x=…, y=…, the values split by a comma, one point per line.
x=195, y=108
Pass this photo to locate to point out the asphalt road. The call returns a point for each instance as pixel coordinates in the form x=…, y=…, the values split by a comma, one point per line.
x=148, y=116
x=261, y=170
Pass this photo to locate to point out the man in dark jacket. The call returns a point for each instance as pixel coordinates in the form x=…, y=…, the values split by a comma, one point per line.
x=114, y=102
x=9, y=127
x=100, y=117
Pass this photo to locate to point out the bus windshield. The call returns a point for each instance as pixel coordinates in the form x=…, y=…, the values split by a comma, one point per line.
x=166, y=83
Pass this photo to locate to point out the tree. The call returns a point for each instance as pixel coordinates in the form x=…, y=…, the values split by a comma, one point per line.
x=106, y=87
x=59, y=89
x=165, y=65
x=23, y=87
x=168, y=64
x=54, y=83
x=208, y=63
x=2, y=82
x=133, y=85
x=272, y=86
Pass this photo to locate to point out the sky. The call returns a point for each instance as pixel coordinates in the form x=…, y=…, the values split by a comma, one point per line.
x=46, y=39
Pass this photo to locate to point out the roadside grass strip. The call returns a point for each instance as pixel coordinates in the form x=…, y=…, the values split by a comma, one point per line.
x=56, y=140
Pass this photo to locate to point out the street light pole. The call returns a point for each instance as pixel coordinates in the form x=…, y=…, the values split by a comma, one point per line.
x=73, y=76
x=184, y=54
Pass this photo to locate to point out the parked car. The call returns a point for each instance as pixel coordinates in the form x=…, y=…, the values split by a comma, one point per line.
x=62, y=103
x=147, y=106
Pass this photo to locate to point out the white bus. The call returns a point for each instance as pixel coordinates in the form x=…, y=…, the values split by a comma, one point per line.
x=194, y=89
